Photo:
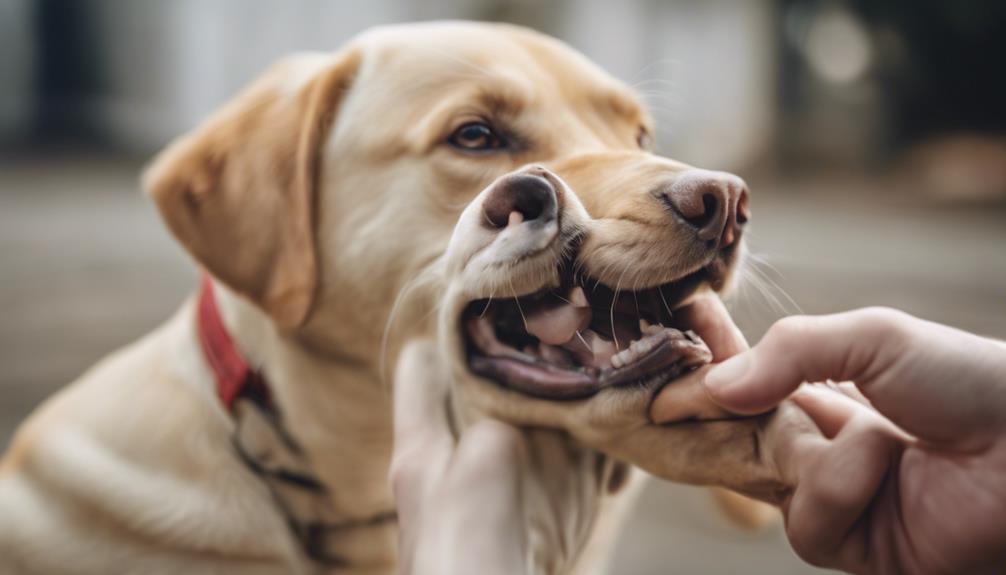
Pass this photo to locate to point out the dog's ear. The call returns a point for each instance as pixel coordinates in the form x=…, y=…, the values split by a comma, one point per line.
x=239, y=192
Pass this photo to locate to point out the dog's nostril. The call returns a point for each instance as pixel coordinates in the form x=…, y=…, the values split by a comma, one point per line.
x=714, y=204
x=531, y=196
x=710, y=208
x=743, y=213
x=702, y=210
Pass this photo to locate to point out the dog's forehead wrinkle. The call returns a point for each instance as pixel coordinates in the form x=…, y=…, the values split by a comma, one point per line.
x=534, y=66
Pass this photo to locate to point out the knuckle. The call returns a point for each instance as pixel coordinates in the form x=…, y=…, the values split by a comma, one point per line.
x=830, y=494
x=488, y=450
x=884, y=323
x=494, y=440
x=405, y=470
x=883, y=318
x=806, y=547
x=792, y=329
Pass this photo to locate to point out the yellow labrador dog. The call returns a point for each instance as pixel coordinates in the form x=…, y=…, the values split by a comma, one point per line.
x=483, y=171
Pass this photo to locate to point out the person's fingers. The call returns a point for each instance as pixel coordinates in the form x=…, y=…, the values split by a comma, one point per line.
x=708, y=317
x=480, y=505
x=420, y=396
x=838, y=480
x=933, y=381
x=423, y=441
x=492, y=449
x=799, y=349
x=829, y=409
x=422, y=438
x=850, y=390
x=686, y=399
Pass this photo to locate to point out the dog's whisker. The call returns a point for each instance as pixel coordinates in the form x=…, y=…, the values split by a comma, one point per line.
x=757, y=262
x=769, y=300
x=660, y=290
x=517, y=301
x=653, y=64
x=611, y=309
x=635, y=295
x=519, y=309
x=488, y=303
x=768, y=287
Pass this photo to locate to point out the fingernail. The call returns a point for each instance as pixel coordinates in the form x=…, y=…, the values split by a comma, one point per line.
x=723, y=376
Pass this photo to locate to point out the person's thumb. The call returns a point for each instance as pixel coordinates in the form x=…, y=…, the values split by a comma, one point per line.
x=935, y=382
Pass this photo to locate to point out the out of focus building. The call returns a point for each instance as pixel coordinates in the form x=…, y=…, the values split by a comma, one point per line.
x=137, y=73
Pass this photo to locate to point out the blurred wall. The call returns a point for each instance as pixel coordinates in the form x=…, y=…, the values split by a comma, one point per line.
x=156, y=68
x=17, y=64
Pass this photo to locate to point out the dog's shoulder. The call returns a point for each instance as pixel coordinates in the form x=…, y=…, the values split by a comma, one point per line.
x=131, y=456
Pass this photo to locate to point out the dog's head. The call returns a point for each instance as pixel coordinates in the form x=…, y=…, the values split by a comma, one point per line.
x=555, y=301
x=335, y=178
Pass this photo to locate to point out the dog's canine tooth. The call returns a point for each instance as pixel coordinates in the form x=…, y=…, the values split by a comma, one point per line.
x=623, y=358
x=645, y=345
x=644, y=326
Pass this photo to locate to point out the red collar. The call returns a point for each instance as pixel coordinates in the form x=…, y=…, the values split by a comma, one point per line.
x=233, y=374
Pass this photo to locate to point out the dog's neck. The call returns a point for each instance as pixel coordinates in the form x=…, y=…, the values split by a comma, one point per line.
x=337, y=410
x=339, y=413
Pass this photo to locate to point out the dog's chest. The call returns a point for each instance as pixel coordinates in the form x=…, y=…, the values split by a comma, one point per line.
x=329, y=538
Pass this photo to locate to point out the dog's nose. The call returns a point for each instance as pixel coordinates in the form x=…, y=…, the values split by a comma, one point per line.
x=521, y=197
x=715, y=204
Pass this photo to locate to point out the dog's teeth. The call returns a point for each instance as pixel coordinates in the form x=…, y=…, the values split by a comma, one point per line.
x=644, y=346
x=623, y=358
x=655, y=329
x=515, y=218
x=644, y=326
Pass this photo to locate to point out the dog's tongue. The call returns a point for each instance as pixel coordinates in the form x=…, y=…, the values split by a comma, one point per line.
x=556, y=325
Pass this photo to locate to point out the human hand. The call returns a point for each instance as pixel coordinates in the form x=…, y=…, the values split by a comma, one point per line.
x=459, y=501
x=918, y=489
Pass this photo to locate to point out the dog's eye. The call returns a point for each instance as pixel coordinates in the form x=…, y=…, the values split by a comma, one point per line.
x=644, y=139
x=476, y=137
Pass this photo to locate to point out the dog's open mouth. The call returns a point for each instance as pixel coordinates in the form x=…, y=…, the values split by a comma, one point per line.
x=572, y=341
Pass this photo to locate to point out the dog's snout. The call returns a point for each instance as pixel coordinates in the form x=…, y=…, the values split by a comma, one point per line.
x=523, y=197
x=715, y=204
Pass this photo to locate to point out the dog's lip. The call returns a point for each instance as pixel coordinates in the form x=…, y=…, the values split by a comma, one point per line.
x=678, y=351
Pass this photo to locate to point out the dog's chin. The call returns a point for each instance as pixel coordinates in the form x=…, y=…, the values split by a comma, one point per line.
x=572, y=340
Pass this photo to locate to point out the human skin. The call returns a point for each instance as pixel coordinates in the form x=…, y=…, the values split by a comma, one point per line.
x=909, y=472
x=906, y=475
x=459, y=500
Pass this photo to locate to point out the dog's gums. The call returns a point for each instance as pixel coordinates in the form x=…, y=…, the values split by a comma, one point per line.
x=571, y=341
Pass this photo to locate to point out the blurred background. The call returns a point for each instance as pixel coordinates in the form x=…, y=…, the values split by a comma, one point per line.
x=873, y=133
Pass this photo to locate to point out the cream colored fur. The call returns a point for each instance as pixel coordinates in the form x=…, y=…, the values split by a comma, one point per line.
x=315, y=199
